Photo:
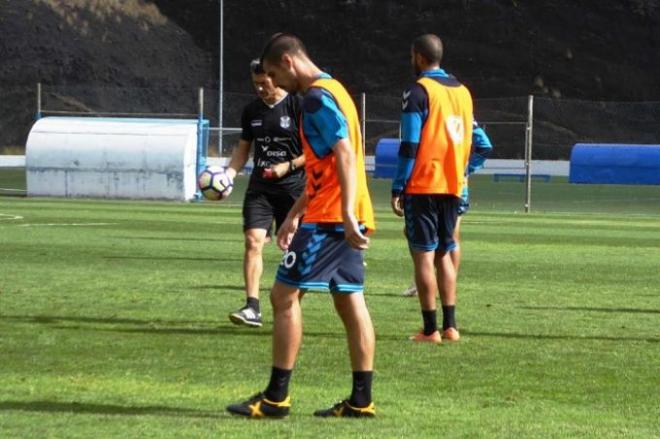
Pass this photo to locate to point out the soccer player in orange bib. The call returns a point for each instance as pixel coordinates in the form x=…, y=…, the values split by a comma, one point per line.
x=437, y=123
x=325, y=251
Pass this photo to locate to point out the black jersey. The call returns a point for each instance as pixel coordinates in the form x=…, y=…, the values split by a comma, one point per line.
x=274, y=132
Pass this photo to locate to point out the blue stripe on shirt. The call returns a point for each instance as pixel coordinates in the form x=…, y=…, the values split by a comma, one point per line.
x=323, y=122
x=411, y=126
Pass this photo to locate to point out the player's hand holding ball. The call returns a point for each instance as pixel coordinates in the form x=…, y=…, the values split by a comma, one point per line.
x=215, y=183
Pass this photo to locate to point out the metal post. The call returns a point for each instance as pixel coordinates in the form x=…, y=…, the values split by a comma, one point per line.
x=201, y=154
x=39, y=101
x=528, y=153
x=200, y=98
x=221, y=77
x=363, y=116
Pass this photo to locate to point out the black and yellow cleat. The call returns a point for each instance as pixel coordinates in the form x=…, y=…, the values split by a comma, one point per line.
x=346, y=410
x=260, y=407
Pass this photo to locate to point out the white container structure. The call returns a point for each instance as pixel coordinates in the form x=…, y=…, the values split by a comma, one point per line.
x=112, y=158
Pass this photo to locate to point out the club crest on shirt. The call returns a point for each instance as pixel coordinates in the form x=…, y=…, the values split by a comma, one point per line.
x=285, y=122
x=455, y=128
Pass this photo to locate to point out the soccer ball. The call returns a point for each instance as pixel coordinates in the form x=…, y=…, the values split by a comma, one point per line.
x=214, y=183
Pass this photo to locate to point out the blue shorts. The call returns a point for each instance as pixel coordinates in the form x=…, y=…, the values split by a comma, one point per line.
x=320, y=259
x=430, y=221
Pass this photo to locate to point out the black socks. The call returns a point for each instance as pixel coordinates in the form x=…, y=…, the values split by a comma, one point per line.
x=253, y=303
x=448, y=319
x=448, y=316
x=430, y=321
x=361, y=393
x=278, y=387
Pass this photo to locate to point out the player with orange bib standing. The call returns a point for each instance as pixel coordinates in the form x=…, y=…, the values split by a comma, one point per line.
x=436, y=137
x=326, y=250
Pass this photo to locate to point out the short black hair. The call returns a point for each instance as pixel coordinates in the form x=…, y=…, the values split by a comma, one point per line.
x=256, y=67
x=282, y=43
x=429, y=46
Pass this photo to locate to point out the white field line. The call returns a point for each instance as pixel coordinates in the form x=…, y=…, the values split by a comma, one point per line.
x=9, y=217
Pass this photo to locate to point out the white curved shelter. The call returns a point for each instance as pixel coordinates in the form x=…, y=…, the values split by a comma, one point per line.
x=112, y=158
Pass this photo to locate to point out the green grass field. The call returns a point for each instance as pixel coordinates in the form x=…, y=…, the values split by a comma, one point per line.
x=113, y=322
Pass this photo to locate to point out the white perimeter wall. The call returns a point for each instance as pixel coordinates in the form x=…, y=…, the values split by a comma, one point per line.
x=547, y=167
x=554, y=168
x=543, y=167
x=12, y=161
x=112, y=158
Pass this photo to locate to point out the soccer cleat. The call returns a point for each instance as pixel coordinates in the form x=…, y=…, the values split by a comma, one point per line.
x=346, y=410
x=246, y=316
x=260, y=407
x=411, y=291
x=433, y=338
x=451, y=334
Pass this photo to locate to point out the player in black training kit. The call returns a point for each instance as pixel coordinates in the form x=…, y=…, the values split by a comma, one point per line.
x=278, y=178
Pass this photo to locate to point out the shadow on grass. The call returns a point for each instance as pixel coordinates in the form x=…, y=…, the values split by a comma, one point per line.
x=174, y=258
x=102, y=409
x=220, y=330
x=592, y=309
x=397, y=295
x=174, y=327
x=233, y=331
x=220, y=287
x=228, y=287
x=169, y=327
x=12, y=193
x=51, y=320
x=169, y=238
x=559, y=337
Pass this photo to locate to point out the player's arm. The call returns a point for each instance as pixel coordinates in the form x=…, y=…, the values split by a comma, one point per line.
x=413, y=113
x=298, y=162
x=239, y=158
x=279, y=170
x=290, y=224
x=296, y=110
x=345, y=162
x=241, y=153
x=481, y=148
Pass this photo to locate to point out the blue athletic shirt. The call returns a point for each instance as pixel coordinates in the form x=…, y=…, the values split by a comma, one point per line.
x=323, y=123
x=414, y=112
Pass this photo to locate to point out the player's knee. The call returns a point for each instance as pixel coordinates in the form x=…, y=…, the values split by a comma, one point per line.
x=277, y=301
x=283, y=297
x=347, y=304
x=254, y=244
x=282, y=307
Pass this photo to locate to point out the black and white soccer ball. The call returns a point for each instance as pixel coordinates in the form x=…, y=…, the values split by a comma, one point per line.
x=214, y=183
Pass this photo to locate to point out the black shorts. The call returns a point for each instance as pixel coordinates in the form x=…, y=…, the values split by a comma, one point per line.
x=319, y=259
x=260, y=207
x=430, y=221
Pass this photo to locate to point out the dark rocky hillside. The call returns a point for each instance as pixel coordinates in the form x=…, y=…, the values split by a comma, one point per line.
x=606, y=50
x=158, y=51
